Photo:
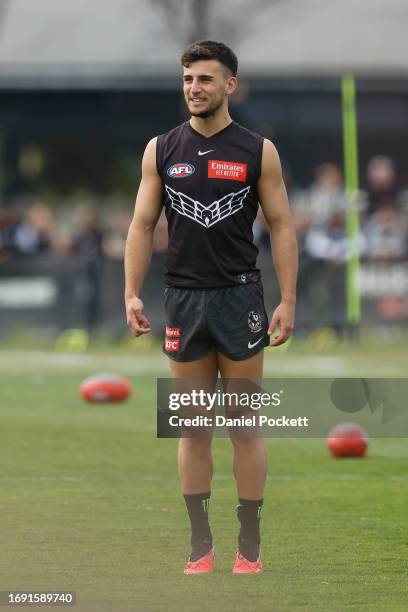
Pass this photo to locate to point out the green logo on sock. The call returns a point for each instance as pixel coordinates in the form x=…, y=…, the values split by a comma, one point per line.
x=258, y=512
x=206, y=504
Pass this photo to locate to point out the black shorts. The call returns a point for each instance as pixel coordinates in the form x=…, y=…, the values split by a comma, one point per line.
x=231, y=320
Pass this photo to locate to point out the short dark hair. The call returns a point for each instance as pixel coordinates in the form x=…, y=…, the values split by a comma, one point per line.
x=208, y=50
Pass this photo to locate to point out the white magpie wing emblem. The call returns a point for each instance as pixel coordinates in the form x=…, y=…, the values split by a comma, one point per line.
x=211, y=214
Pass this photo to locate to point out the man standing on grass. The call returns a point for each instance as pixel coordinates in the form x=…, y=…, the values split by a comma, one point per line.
x=211, y=174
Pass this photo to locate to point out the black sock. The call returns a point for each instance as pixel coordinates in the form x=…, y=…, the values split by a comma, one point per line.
x=201, y=538
x=249, y=515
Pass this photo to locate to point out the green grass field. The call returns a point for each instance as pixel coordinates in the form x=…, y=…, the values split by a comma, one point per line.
x=90, y=501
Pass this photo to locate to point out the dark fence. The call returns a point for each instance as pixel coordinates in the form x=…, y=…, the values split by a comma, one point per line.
x=61, y=292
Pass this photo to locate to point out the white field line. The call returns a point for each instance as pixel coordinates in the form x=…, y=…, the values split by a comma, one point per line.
x=288, y=366
x=326, y=477
x=39, y=479
x=277, y=477
x=36, y=360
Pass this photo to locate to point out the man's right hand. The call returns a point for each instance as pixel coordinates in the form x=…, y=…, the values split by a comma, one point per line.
x=136, y=320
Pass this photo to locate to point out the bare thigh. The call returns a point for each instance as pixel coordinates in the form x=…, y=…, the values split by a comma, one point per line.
x=251, y=368
x=235, y=376
x=205, y=368
x=200, y=374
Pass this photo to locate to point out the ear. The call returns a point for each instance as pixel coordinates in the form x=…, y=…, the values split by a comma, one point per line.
x=231, y=85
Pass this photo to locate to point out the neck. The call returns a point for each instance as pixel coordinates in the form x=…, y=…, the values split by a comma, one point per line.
x=211, y=125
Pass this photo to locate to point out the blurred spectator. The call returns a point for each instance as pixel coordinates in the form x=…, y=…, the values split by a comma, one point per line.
x=387, y=233
x=329, y=246
x=8, y=232
x=381, y=183
x=302, y=221
x=329, y=242
x=35, y=233
x=39, y=233
x=296, y=196
x=115, y=238
x=88, y=239
x=326, y=194
x=87, y=244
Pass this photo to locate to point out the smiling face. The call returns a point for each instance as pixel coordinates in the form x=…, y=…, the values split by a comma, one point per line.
x=207, y=85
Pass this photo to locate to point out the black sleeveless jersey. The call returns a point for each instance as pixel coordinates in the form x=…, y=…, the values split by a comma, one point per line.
x=211, y=201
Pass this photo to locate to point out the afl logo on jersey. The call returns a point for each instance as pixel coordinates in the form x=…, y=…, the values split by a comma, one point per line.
x=181, y=170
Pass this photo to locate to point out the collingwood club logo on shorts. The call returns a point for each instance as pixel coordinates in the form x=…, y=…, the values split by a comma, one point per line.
x=255, y=321
x=207, y=215
x=181, y=170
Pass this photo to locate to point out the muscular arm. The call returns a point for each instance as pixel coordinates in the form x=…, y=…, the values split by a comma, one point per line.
x=275, y=207
x=139, y=240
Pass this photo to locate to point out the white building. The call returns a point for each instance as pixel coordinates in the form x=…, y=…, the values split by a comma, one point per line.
x=82, y=41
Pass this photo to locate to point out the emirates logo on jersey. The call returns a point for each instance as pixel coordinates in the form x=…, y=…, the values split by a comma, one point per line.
x=181, y=170
x=232, y=171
